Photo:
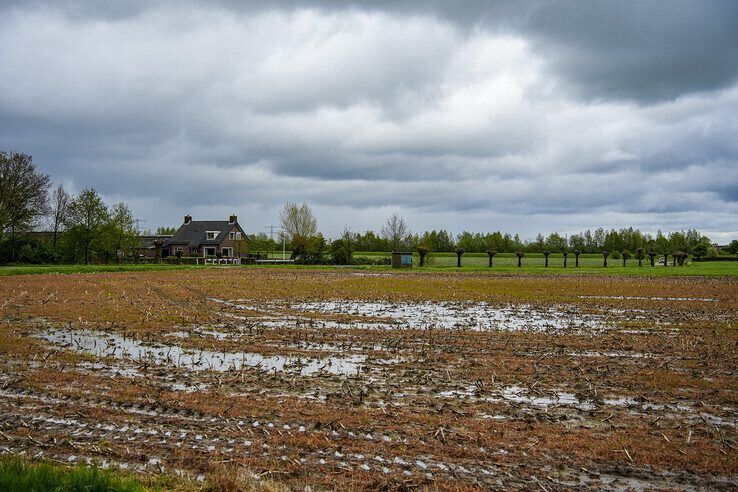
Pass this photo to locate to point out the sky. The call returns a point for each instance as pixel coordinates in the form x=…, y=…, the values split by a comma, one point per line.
x=521, y=116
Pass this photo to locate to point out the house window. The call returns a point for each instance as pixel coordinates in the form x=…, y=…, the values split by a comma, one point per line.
x=211, y=235
x=234, y=235
x=227, y=252
x=179, y=249
x=209, y=251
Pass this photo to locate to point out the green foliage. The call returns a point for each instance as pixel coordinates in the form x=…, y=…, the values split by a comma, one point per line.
x=261, y=244
x=342, y=250
x=19, y=475
x=87, y=220
x=121, y=235
x=27, y=250
x=309, y=250
x=733, y=247
x=23, y=196
x=700, y=250
x=23, y=192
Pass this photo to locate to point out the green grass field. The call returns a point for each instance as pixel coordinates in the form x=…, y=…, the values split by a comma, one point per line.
x=588, y=264
x=471, y=262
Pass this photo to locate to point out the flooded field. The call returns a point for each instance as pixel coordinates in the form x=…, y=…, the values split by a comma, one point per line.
x=345, y=379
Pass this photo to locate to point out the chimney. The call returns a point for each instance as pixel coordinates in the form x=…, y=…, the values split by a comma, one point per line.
x=188, y=219
x=233, y=219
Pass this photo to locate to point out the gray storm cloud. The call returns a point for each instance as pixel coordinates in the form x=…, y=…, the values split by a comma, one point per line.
x=523, y=116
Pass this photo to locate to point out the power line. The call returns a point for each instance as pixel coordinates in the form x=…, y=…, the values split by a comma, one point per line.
x=271, y=230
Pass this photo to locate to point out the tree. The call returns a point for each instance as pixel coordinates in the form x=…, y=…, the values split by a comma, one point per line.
x=59, y=207
x=733, y=247
x=576, y=258
x=342, y=249
x=423, y=252
x=298, y=221
x=652, y=257
x=491, y=253
x=700, y=250
x=520, y=255
x=158, y=244
x=395, y=232
x=166, y=231
x=260, y=243
x=122, y=231
x=545, y=255
x=605, y=254
x=681, y=257
x=86, y=221
x=23, y=195
x=459, y=252
x=625, y=254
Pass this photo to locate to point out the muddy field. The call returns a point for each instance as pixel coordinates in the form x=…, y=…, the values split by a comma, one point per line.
x=338, y=379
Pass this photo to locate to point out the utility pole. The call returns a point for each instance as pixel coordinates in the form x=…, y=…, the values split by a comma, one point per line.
x=138, y=222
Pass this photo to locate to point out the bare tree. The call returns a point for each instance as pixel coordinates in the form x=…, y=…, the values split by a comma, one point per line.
x=298, y=221
x=23, y=194
x=395, y=232
x=60, y=199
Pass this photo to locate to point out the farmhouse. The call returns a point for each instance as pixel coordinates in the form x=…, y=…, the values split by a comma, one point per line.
x=209, y=238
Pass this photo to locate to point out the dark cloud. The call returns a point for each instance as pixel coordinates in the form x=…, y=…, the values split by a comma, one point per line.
x=523, y=116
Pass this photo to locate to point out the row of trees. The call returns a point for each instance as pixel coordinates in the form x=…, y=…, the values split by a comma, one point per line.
x=83, y=227
x=585, y=241
x=301, y=229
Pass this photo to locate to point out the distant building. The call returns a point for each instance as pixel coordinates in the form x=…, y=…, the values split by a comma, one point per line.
x=147, y=246
x=208, y=238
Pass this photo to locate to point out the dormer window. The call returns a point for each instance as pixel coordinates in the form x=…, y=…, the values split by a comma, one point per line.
x=211, y=235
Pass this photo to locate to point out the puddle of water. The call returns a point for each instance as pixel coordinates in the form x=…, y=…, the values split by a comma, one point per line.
x=421, y=315
x=646, y=298
x=113, y=345
x=448, y=315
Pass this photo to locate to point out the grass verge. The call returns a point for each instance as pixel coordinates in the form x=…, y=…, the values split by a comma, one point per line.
x=18, y=475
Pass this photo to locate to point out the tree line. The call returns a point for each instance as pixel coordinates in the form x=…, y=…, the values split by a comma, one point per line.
x=300, y=228
x=83, y=227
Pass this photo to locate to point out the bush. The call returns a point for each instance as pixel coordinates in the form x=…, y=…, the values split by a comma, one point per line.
x=372, y=260
x=341, y=252
x=615, y=255
x=27, y=250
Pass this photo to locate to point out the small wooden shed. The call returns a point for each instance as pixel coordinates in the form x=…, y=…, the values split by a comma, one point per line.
x=402, y=259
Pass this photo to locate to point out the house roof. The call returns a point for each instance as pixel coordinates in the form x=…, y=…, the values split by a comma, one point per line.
x=147, y=242
x=193, y=233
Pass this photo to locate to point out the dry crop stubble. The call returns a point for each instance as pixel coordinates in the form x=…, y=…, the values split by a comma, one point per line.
x=460, y=381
